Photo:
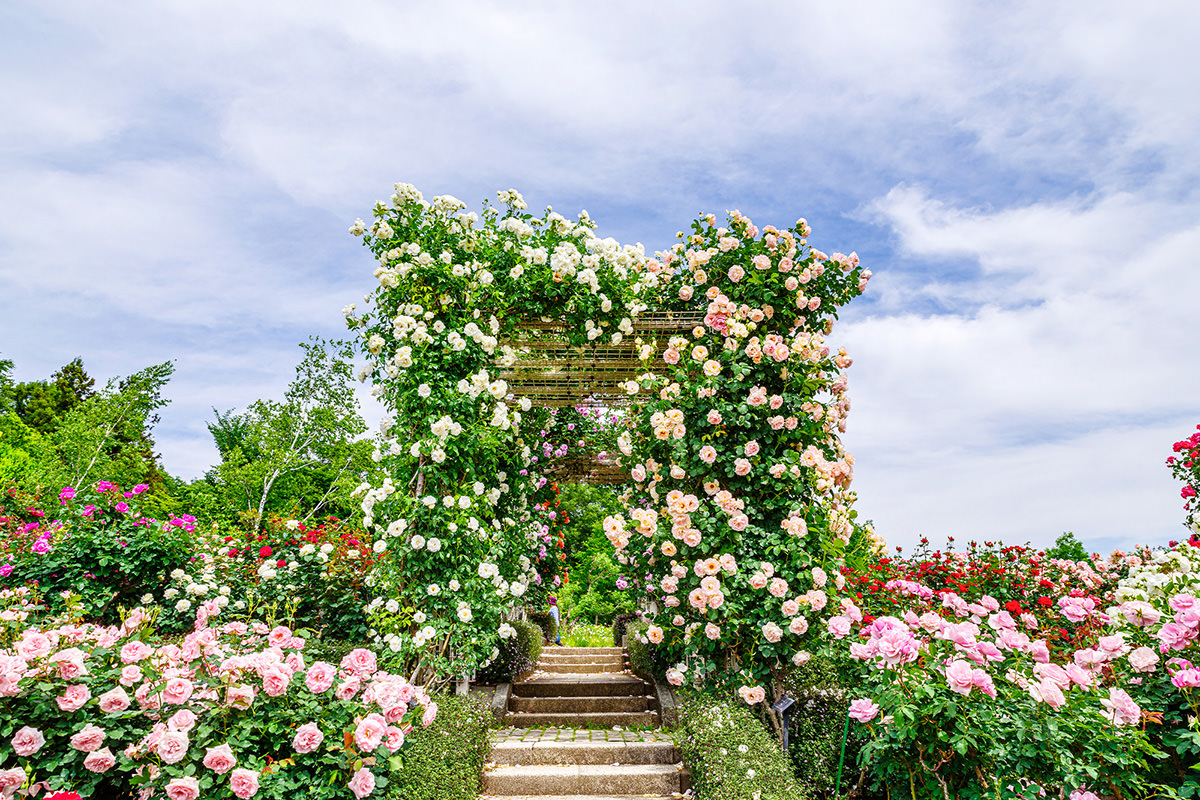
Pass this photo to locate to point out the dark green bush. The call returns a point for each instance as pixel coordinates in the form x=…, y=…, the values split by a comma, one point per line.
x=645, y=658
x=730, y=755
x=620, y=621
x=518, y=655
x=815, y=732
x=445, y=760
x=545, y=621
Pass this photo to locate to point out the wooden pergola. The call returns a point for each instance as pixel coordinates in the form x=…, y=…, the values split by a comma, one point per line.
x=554, y=374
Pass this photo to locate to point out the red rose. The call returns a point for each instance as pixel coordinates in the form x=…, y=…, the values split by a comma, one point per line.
x=265, y=552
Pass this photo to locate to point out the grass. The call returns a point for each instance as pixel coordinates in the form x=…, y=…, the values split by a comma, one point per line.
x=580, y=635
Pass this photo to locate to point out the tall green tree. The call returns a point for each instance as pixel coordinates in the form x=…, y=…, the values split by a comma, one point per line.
x=6, y=384
x=299, y=455
x=42, y=405
x=108, y=435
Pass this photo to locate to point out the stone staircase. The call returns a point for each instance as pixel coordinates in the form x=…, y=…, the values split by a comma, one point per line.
x=583, y=727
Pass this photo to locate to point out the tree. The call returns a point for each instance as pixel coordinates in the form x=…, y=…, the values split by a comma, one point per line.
x=304, y=445
x=108, y=434
x=6, y=384
x=1068, y=547
x=42, y=405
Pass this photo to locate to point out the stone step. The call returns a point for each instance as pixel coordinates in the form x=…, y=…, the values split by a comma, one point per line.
x=626, y=719
x=575, y=796
x=583, y=779
x=600, y=685
x=577, y=752
x=581, y=658
x=590, y=667
x=605, y=651
x=565, y=705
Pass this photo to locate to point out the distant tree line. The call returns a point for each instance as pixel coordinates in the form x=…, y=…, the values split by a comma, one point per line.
x=300, y=456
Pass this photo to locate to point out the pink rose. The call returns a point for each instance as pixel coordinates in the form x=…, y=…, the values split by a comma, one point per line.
x=960, y=675
x=736, y=273
x=320, y=677
x=712, y=631
x=360, y=661
x=778, y=587
x=244, y=782
x=275, y=681
x=362, y=783
x=738, y=522
x=11, y=779
x=741, y=466
x=394, y=739
x=1122, y=710
x=798, y=626
x=88, y=738
x=34, y=645
x=752, y=694
x=1051, y=693
x=114, y=701
x=182, y=720
x=308, y=738
x=239, y=696
x=27, y=741
x=369, y=733
x=183, y=789
x=133, y=652
x=1143, y=659
x=864, y=710
x=430, y=715
x=172, y=746
x=73, y=698
x=708, y=454
x=130, y=675
x=177, y=691
x=220, y=759
x=839, y=626
x=751, y=448
x=100, y=760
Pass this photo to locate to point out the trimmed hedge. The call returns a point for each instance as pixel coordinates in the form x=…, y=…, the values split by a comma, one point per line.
x=730, y=755
x=518, y=655
x=815, y=739
x=545, y=621
x=445, y=761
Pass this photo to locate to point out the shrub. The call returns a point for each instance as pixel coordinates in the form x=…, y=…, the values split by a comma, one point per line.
x=545, y=620
x=645, y=658
x=517, y=654
x=620, y=621
x=816, y=727
x=581, y=635
x=730, y=755
x=445, y=760
x=235, y=693
x=91, y=543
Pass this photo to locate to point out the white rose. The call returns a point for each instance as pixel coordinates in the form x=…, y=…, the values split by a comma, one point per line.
x=434, y=544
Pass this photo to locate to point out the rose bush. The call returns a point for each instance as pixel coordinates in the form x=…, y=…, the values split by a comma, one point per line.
x=1185, y=466
x=226, y=711
x=741, y=487
x=456, y=548
x=92, y=543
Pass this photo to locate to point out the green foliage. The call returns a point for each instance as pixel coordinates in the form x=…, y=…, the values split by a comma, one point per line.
x=620, y=621
x=545, y=620
x=645, y=658
x=296, y=457
x=445, y=761
x=730, y=755
x=515, y=655
x=1069, y=548
x=587, y=636
x=42, y=404
x=817, y=725
x=594, y=592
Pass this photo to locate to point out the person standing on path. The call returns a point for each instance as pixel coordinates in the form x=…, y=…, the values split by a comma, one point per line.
x=555, y=613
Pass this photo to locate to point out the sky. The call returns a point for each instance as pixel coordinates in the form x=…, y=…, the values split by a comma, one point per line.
x=1021, y=178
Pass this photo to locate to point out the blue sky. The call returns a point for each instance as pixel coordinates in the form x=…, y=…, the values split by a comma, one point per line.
x=1021, y=178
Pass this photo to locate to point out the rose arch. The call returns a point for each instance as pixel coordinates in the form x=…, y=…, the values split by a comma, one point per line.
x=738, y=488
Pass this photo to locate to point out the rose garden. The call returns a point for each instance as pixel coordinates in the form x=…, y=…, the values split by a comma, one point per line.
x=650, y=441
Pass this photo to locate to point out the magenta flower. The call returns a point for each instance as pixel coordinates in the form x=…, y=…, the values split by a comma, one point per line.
x=122, y=507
